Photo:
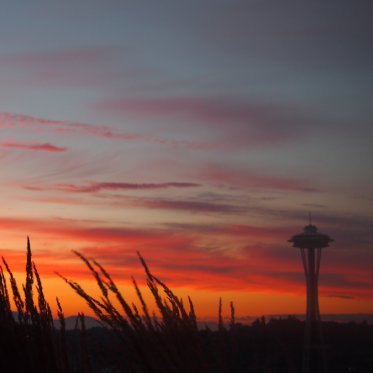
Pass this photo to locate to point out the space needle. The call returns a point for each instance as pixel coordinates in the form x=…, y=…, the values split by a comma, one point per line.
x=311, y=242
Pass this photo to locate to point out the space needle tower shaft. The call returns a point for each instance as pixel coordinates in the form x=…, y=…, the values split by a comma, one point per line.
x=310, y=243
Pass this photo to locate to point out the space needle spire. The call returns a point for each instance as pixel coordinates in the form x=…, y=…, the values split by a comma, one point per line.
x=311, y=242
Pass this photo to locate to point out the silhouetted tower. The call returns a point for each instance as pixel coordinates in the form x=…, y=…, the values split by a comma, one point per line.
x=311, y=242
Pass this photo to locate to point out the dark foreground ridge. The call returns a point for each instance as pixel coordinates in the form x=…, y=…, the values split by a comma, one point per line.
x=134, y=341
x=273, y=346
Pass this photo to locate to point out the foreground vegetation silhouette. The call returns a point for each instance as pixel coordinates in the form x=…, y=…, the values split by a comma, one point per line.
x=134, y=340
x=28, y=339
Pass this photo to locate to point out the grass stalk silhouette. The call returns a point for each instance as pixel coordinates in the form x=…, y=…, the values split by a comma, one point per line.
x=135, y=340
x=168, y=343
x=28, y=340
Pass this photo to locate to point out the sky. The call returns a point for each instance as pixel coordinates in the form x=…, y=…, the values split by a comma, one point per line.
x=199, y=133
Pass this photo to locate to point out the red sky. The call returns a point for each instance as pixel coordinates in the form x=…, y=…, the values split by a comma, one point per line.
x=200, y=135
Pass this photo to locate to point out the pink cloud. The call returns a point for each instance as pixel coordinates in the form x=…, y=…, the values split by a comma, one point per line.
x=94, y=187
x=9, y=120
x=57, y=200
x=99, y=186
x=19, y=120
x=251, y=179
x=235, y=122
x=83, y=231
x=44, y=147
x=186, y=205
x=206, y=110
x=193, y=206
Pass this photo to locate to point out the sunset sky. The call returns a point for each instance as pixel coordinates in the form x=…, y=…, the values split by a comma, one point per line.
x=199, y=133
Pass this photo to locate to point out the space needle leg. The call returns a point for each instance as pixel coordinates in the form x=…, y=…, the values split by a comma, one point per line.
x=307, y=331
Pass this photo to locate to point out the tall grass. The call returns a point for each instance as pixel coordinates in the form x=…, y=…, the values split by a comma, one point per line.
x=135, y=340
x=29, y=341
x=168, y=343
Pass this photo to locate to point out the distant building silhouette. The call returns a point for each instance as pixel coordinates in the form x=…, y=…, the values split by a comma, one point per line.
x=311, y=242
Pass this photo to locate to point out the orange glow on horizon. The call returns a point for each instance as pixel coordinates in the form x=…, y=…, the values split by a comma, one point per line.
x=260, y=276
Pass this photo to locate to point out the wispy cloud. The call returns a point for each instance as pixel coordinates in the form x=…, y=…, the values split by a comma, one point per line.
x=235, y=122
x=20, y=121
x=81, y=230
x=253, y=179
x=193, y=205
x=207, y=110
x=187, y=205
x=38, y=147
x=9, y=120
x=94, y=186
x=99, y=186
